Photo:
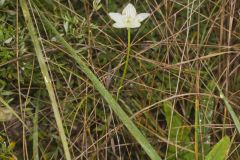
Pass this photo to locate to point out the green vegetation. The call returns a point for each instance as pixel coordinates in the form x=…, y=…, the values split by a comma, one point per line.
x=74, y=87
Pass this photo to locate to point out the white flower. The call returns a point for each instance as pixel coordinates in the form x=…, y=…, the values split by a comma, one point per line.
x=129, y=17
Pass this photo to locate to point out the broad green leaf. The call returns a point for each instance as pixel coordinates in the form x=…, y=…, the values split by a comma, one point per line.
x=179, y=133
x=220, y=150
x=206, y=115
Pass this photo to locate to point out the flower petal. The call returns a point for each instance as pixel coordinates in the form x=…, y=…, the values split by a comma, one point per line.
x=117, y=17
x=119, y=25
x=129, y=10
x=134, y=24
x=142, y=16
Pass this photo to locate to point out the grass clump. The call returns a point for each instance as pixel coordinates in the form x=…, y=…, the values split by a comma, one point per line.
x=61, y=63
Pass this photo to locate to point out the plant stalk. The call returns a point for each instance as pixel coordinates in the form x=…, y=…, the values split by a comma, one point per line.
x=126, y=63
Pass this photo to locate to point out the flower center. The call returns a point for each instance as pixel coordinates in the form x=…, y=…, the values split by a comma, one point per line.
x=128, y=20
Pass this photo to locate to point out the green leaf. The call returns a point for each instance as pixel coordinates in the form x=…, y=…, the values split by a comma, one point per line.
x=176, y=128
x=206, y=115
x=220, y=150
x=178, y=133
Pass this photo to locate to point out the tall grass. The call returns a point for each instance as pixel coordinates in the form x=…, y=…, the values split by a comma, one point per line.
x=46, y=76
x=61, y=63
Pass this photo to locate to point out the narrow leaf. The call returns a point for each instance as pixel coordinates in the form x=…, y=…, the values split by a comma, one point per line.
x=47, y=79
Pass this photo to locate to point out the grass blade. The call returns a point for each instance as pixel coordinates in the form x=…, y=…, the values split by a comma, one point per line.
x=46, y=76
x=35, y=133
x=230, y=109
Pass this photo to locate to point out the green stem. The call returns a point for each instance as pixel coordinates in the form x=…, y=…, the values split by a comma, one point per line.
x=126, y=63
x=196, y=127
x=35, y=132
